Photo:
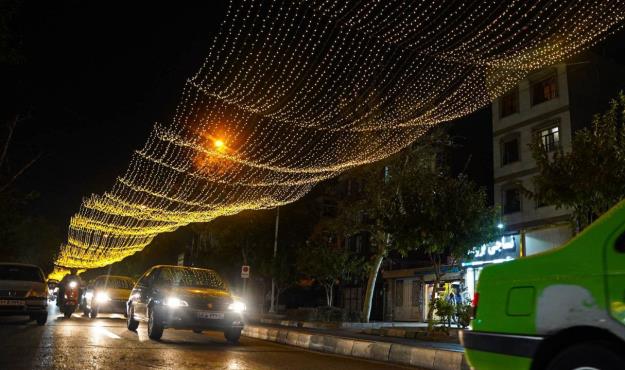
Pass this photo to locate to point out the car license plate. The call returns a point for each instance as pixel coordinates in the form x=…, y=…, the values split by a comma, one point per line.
x=210, y=315
x=11, y=302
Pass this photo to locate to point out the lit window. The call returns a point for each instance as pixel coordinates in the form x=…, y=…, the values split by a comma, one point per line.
x=549, y=138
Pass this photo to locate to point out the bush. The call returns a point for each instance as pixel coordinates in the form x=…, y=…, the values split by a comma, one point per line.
x=463, y=314
x=445, y=311
x=323, y=314
x=330, y=314
x=302, y=314
x=353, y=316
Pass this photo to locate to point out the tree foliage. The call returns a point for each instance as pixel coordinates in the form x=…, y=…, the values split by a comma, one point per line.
x=371, y=207
x=590, y=178
x=327, y=264
x=444, y=218
x=411, y=203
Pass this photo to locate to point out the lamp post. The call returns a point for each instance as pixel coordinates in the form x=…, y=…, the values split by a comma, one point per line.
x=272, y=307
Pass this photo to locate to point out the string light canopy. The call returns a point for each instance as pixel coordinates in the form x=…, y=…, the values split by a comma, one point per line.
x=295, y=92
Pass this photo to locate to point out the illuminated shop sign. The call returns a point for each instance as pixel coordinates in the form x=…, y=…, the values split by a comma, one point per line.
x=504, y=249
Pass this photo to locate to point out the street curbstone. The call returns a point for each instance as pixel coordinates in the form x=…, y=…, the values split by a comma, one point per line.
x=371, y=350
x=415, y=356
x=291, y=338
x=303, y=340
x=272, y=334
x=343, y=346
x=400, y=354
x=317, y=343
x=447, y=360
x=422, y=357
x=282, y=335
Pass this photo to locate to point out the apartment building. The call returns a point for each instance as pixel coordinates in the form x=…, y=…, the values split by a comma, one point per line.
x=548, y=106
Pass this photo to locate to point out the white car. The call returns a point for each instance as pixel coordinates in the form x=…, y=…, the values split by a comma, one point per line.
x=23, y=291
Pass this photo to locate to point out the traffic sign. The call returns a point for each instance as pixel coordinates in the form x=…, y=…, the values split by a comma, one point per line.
x=245, y=271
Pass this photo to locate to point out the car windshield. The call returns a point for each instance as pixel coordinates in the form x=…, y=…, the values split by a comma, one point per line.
x=187, y=277
x=115, y=283
x=21, y=273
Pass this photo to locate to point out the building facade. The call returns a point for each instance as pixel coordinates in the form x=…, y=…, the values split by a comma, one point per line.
x=536, y=109
x=548, y=107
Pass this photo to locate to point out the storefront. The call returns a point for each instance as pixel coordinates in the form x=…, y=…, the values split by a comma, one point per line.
x=407, y=292
x=505, y=249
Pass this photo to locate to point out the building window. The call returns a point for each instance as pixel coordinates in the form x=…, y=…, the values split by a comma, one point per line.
x=545, y=89
x=511, y=200
x=549, y=137
x=509, y=103
x=510, y=151
x=416, y=293
x=399, y=293
x=358, y=244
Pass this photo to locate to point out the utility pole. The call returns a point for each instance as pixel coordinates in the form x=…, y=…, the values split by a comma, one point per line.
x=272, y=307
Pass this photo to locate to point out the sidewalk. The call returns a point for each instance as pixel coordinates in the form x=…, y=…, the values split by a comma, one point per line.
x=349, y=342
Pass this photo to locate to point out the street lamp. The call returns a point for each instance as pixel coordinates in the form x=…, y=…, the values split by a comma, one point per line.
x=500, y=226
x=219, y=144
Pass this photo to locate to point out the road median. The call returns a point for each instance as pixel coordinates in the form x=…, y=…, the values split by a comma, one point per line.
x=387, y=350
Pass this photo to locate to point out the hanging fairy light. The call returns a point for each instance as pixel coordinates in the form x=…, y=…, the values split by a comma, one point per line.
x=296, y=92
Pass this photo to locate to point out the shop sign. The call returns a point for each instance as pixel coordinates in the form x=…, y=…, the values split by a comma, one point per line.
x=506, y=248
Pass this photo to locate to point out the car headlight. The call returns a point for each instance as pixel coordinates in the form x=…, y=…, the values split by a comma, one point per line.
x=237, y=306
x=175, y=302
x=102, y=297
x=73, y=284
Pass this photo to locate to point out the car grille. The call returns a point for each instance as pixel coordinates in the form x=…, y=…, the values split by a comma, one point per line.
x=208, y=303
x=10, y=293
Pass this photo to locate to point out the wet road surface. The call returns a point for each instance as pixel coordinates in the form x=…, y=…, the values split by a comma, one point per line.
x=105, y=343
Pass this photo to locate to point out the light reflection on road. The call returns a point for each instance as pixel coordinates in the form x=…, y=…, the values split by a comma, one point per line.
x=105, y=343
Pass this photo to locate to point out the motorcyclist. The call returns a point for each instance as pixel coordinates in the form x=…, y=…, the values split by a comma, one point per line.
x=72, y=276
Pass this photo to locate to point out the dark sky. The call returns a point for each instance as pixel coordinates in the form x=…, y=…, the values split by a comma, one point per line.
x=96, y=75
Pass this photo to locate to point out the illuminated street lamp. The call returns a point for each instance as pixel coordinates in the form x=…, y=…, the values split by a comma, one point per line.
x=219, y=144
x=500, y=226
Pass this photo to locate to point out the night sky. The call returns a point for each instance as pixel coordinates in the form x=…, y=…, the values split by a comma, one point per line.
x=95, y=76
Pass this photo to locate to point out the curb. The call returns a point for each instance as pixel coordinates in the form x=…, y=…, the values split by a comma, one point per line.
x=428, y=358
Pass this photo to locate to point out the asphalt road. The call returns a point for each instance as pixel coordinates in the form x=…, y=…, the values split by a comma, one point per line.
x=105, y=343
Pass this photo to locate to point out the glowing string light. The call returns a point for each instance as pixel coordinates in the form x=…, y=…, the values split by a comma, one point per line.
x=295, y=92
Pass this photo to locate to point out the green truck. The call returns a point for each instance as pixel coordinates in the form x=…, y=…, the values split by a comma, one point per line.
x=562, y=309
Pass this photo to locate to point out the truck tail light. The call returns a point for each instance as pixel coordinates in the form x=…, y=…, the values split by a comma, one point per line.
x=474, y=303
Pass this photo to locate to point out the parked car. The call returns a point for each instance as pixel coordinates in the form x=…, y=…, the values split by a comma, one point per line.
x=184, y=298
x=107, y=294
x=559, y=310
x=23, y=291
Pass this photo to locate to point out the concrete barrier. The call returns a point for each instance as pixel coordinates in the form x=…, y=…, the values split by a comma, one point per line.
x=422, y=357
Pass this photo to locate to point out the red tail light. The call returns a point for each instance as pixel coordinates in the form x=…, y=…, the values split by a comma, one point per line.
x=474, y=303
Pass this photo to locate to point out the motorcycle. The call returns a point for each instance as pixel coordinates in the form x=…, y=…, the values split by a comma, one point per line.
x=70, y=299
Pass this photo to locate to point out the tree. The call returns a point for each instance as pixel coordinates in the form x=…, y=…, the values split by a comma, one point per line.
x=242, y=239
x=370, y=208
x=443, y=217
x=326, y=264
x=590, y=178
x=283, y=271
